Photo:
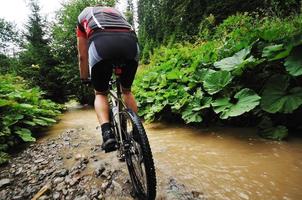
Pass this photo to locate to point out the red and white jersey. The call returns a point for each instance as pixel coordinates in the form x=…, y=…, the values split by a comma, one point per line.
x=94, y=18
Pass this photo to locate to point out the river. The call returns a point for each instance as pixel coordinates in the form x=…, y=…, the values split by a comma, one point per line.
x=221, y=163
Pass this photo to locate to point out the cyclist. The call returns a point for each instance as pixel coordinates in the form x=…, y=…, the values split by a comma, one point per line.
x=103, y=35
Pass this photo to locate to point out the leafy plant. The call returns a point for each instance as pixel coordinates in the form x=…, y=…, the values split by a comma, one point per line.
x=226, y=74
x=293, y=63
x=247, y=100
x=275, y=133
x=278, y=97
x=215, y=81
x=268, y=130
x=22, y=110
x=239, y=59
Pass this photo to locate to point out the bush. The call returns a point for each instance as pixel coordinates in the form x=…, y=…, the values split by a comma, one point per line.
x=22, y=110
x=240, y=72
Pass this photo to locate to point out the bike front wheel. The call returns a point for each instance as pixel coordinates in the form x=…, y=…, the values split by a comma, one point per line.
x=138, y=156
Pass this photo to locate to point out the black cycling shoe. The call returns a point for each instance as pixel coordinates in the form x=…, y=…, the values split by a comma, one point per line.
x=109, y=141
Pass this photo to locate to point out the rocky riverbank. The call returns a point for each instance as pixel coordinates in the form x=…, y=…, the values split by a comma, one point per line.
x=71, y=166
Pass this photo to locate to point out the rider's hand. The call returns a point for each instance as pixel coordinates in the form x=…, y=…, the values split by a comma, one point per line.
x=86, y=82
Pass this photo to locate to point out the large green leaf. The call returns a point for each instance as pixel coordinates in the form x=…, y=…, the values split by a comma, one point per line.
x=238, y=60
x=41, y=122
x=4, y=102
x=277, y=97
x=276, y=52
x=190, y=116
x=25, y=134
x=247, y=100
x=216, y=81
x=293, y=63
x=50, y=120
x=275, y=133
x=12, y=118
x=174, y=75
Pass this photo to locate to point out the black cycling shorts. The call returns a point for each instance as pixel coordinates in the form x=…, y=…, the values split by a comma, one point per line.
x=107, y=48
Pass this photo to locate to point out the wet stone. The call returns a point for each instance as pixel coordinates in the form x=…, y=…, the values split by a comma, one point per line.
x=58, y=180
x=63, y=172
x=60, y=186
x=94, y=193
x=105, y=186
x=17, y=197
x=85, y=161
x=78, y=157
x=39, y=160
x=4, y=182
x=101, y=197
x=19, y=171
x=106, y=174
x=76, y=145
x=59, y=158
x=68, y=197
x=244, y=196
x=56, y=195
x=85, y=197
x=53, y=145
x=65, y=192
x=99, y=171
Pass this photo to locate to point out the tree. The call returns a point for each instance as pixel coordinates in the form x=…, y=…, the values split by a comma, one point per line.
x=8, y=35
x=129, y=12
x=37, y=63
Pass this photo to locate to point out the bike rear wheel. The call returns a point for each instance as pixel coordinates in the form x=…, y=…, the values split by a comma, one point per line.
x=138, y=156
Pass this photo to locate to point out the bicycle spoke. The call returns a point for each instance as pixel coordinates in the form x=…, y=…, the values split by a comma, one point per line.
x=142, y=176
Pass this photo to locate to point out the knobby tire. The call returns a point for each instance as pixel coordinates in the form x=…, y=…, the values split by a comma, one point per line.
x=142, y=140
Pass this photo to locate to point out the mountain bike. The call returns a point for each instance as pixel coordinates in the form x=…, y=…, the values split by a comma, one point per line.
x=132, y=142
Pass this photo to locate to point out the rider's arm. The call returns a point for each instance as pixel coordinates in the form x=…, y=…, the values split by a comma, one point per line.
x=83, y=56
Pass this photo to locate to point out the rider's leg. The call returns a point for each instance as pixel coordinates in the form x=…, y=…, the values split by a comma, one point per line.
x=101, y=106
x=129, y=100
x=126, y=83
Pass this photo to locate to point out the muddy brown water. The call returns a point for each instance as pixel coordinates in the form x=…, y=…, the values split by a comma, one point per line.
x=222, y=163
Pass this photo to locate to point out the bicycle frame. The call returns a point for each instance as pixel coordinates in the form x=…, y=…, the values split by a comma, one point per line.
x=117, y=102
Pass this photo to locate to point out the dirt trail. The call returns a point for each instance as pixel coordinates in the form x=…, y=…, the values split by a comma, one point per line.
x=68, y=164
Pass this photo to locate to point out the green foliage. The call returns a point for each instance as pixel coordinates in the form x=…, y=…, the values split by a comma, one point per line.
x=246, y=101
x=8, y=35
x=238, y=60
x=3, y=157
x=275, y=133
x=293, y=63
x=215, y=81
x=278, y=97
x=159, y=21
x=22, y=109
x=268, y=130
x=275, y=52
x=36, y=62
x=235, y=73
